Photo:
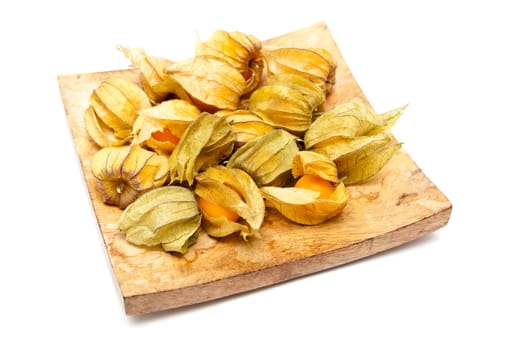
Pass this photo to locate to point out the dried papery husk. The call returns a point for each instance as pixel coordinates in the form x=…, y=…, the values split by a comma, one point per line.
x=356, y=138
x=124, y=173
x=205, y=142
x=112, y=110
x=172, y=115
x=302, y=206
x=168, y=216
x=100, y=133
x=283, y=107
x=208, y=82
x=157, y=84
x=388, y=118
x=242, y=51
x=330, y=79
x=268, y=158
x=315, y=64
x=349, y=120
x=235, y=190
x=245, y=125
x=358, y=159
x=313, y=94
x=312, y=163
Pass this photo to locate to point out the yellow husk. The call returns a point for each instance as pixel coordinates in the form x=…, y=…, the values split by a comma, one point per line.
x=124, y=173
x=241, y=50
x=268, y=158
x=166, y=216
x=245, y=125
x=113, y=108
x=315, y=64
x=205, y=142
x=156, y=83
x=235, y=190
x=312, y=163
x=302, y=206
x=174, y=115
x=208, y=82
x=282, y=106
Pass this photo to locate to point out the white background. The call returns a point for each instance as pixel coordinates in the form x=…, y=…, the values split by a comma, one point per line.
x=459, y=65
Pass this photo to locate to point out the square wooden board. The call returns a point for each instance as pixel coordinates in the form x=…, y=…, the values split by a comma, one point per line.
x=398, y=205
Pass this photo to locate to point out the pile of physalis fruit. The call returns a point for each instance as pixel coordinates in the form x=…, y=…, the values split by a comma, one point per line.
x=210, y=142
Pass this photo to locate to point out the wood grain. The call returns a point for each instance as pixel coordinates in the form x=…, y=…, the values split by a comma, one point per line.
x=398, y=205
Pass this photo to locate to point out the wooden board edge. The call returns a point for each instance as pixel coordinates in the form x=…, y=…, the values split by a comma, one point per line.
x=193, y=295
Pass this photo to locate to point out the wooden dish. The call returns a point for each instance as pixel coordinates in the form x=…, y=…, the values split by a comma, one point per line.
x=398, y=205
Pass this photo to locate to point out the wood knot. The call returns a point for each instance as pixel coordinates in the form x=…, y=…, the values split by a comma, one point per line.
x=406, y=196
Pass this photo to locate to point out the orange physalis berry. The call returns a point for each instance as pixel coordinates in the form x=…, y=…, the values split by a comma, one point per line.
x=316, y=183
x=165, y=135
x=215, y=210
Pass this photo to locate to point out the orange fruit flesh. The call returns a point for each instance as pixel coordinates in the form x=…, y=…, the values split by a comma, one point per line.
x=216, y=211
x=165, y=136
x=316, y=183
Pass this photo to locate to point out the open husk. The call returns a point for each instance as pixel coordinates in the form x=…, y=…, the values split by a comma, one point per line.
x=357, y=139
x=360, y=158
x=304, y=206
x=235, y=190
x=170, y=117
x=312, y=163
